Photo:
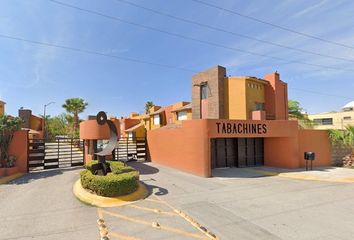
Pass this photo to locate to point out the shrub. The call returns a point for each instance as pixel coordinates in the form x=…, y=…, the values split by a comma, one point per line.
x=116, y=166
x=121, y=181
x=8, y=126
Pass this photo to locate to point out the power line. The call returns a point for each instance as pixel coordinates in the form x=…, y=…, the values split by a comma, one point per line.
x=130, y=59
x=319, y=93
x=93, y=52
x=272, y=24
x=194, y=39
x=231, y=32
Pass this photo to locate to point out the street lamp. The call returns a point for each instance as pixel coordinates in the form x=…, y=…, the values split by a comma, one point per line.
x=45, y=106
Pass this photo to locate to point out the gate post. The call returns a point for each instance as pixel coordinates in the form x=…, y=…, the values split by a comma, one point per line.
x=71, y=152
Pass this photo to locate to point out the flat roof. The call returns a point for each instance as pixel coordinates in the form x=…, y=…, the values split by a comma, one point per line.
x=260, y=80
x=185, y=107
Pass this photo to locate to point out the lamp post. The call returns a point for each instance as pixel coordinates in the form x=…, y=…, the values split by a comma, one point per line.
x=45, y=106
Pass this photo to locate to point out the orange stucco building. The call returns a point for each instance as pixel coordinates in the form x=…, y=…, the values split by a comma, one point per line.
x=230, y=122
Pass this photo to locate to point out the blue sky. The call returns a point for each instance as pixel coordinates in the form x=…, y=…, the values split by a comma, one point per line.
x=32, y=75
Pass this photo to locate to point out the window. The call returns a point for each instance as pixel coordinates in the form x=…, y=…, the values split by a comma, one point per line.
x=182, y=115
x=259, y=106
x=157, y=119
x=347, y=118
x=323, y=121
x=204, y=91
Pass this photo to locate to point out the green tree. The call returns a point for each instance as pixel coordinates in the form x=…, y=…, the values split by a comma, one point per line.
x=57, y=125
x=8, y=126
x=75, y=106
x=295, y=111
x=148, y=105
x=343, y=137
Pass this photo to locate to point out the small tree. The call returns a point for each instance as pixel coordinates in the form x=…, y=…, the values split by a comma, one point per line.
x=295, y=112
x=57, y=125
x=343, y=137
x=75, y=106
x=8, y=126
x=148, y=105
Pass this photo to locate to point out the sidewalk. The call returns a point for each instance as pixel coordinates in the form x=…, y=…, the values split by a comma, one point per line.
x=327, y=174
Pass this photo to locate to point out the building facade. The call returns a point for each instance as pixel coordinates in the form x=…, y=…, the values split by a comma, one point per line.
x=231, y=122
x=334, y=120
x=31, y=122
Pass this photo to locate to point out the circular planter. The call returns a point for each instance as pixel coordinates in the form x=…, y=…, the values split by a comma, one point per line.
x=92, y=199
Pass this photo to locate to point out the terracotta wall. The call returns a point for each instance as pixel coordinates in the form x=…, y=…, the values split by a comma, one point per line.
x=276, y=97
x=185, y=148
x=19, y=148
x=127, y=123
x=168, y=115
x=276, y=128
x=315, y=141
x=215, y=78
x=281, y=152
x=89, y=129
x=36, y=123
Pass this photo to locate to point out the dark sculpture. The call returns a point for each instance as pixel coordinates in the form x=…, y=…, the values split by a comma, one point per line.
x=102, y=168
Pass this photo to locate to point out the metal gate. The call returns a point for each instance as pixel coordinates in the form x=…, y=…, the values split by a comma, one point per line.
x=59, y=153
x=130, y=149
x=237, y=152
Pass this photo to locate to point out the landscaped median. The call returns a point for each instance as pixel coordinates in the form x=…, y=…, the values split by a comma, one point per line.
x=119, y=187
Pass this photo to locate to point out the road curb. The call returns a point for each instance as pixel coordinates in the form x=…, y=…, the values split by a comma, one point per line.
x=305, y=177
x=7, y=179
x=99, y=201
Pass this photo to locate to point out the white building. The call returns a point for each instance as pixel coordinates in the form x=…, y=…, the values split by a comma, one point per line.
x=334, y=120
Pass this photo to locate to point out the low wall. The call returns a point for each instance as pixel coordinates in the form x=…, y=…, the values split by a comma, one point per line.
x=281, y=152
x=19, y=149
x=315, y=141
x=339, y=151
x=185, y=148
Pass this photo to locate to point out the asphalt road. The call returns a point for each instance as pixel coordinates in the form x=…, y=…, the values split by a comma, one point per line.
x=240, y=204
x=42, y=206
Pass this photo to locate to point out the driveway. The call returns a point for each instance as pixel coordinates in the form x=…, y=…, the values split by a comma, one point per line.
x=238, y=204
x=42, y=206
x=244, y=204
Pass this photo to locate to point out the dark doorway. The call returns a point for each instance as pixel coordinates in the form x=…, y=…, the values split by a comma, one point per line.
x=237, y=152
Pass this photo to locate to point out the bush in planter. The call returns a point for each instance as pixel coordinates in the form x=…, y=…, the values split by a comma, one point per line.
x=8, y=126
x=121, y=181
x=116, y=166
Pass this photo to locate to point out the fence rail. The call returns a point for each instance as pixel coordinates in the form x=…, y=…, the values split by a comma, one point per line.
x=130, y=149
x=58, y=153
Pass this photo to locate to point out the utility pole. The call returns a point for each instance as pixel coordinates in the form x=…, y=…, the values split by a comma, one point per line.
x=44, y=123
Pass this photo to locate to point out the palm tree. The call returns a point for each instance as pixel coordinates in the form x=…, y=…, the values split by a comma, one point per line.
x=75, y=106
x=344, y=137
x=148, y=105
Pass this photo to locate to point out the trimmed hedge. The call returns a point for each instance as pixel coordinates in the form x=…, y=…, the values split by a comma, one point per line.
x=121, y=181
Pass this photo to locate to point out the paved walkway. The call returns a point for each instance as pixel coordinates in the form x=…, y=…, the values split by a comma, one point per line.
x=251, y=205
x=236, y=204
x=42, y=206
x=326, y=174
